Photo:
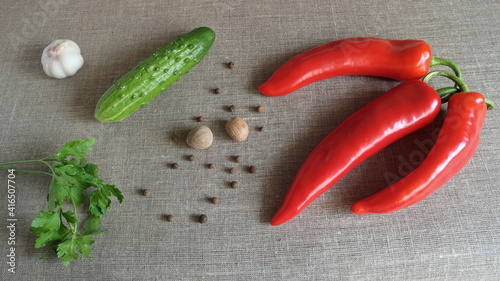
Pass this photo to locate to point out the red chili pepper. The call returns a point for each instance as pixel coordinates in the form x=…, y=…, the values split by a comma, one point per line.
x=395, y=59
x=404, y=109
x=456, y=143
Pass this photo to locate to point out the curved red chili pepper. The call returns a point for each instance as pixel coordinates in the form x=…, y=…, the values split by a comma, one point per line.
x=396, y=59
x=404, y=109
x=456, y=143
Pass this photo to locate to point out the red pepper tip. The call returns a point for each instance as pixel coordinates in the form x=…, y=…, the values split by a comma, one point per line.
x=358, y=209
x=264, y=90
x=277, y=221
x=281, y=217
x=269, y=90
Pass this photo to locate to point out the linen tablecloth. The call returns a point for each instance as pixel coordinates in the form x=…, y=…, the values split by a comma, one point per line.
x=454, y=234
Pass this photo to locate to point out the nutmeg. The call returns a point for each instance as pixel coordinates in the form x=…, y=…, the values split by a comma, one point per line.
x=200, y=137
x=237, y=129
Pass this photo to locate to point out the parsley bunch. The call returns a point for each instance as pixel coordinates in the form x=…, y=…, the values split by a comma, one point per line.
x=59, y=228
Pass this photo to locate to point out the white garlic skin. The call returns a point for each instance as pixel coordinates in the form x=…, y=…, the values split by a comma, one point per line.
x=62, y=58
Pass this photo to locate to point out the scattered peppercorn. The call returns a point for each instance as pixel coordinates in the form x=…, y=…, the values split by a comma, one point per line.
x=146, y=192
x=191, y=158
x=211, y=166
x=232, y=170
x=252, y=169
x=203, y=218
x=215, y=200
x=238, y=159
x=232, y=108
x=261, y=128
x=217, y=91
x=235, y=184
x=230, y=65
x=174, y=165
x=175, y=138
x=169, y=218
x=200, y=119
x=259, y=108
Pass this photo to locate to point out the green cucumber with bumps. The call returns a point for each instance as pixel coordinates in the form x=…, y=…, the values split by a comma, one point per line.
x=154, y=75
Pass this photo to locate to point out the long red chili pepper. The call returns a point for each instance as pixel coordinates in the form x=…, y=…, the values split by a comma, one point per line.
x=456, y=143
x=395, y=59
x=404, y=109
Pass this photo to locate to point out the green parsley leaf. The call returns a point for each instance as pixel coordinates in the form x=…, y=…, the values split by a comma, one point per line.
x=99, y=202
x=57, y=194
x=69, y=250
x=114, y=191
x=82, y=244
x=90, y=226
x=53, y=237
x=89, y=176
x=66, y=174
x=48, y=227
x=66, y=251
x=47, y=221
x=75, y=149
x=70, y=217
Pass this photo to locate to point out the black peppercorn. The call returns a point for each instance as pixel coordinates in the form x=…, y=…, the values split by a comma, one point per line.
x=238, y=159
x=203, y=218
x=235, y=184
x=175, y=138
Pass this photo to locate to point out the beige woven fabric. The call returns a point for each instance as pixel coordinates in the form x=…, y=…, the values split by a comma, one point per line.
x=452, y=235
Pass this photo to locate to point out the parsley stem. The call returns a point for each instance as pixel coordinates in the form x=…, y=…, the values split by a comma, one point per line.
x=28, y=171
x=43, y=160
x=74, y=227
x=50, y=158
x=21, y=162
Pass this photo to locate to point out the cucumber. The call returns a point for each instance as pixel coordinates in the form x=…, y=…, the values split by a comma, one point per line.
x=153, y=75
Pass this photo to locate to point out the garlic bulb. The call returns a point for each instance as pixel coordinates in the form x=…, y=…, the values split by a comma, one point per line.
x=61, y=58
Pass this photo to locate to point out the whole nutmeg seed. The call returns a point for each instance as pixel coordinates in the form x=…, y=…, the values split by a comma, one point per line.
x=237, y=129
x=200, y=137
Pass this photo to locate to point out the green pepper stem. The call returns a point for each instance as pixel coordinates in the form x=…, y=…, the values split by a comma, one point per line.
x=460, y=86
x=458, y=81
x=446, y=93
x=489, y=104
x=446, y=62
